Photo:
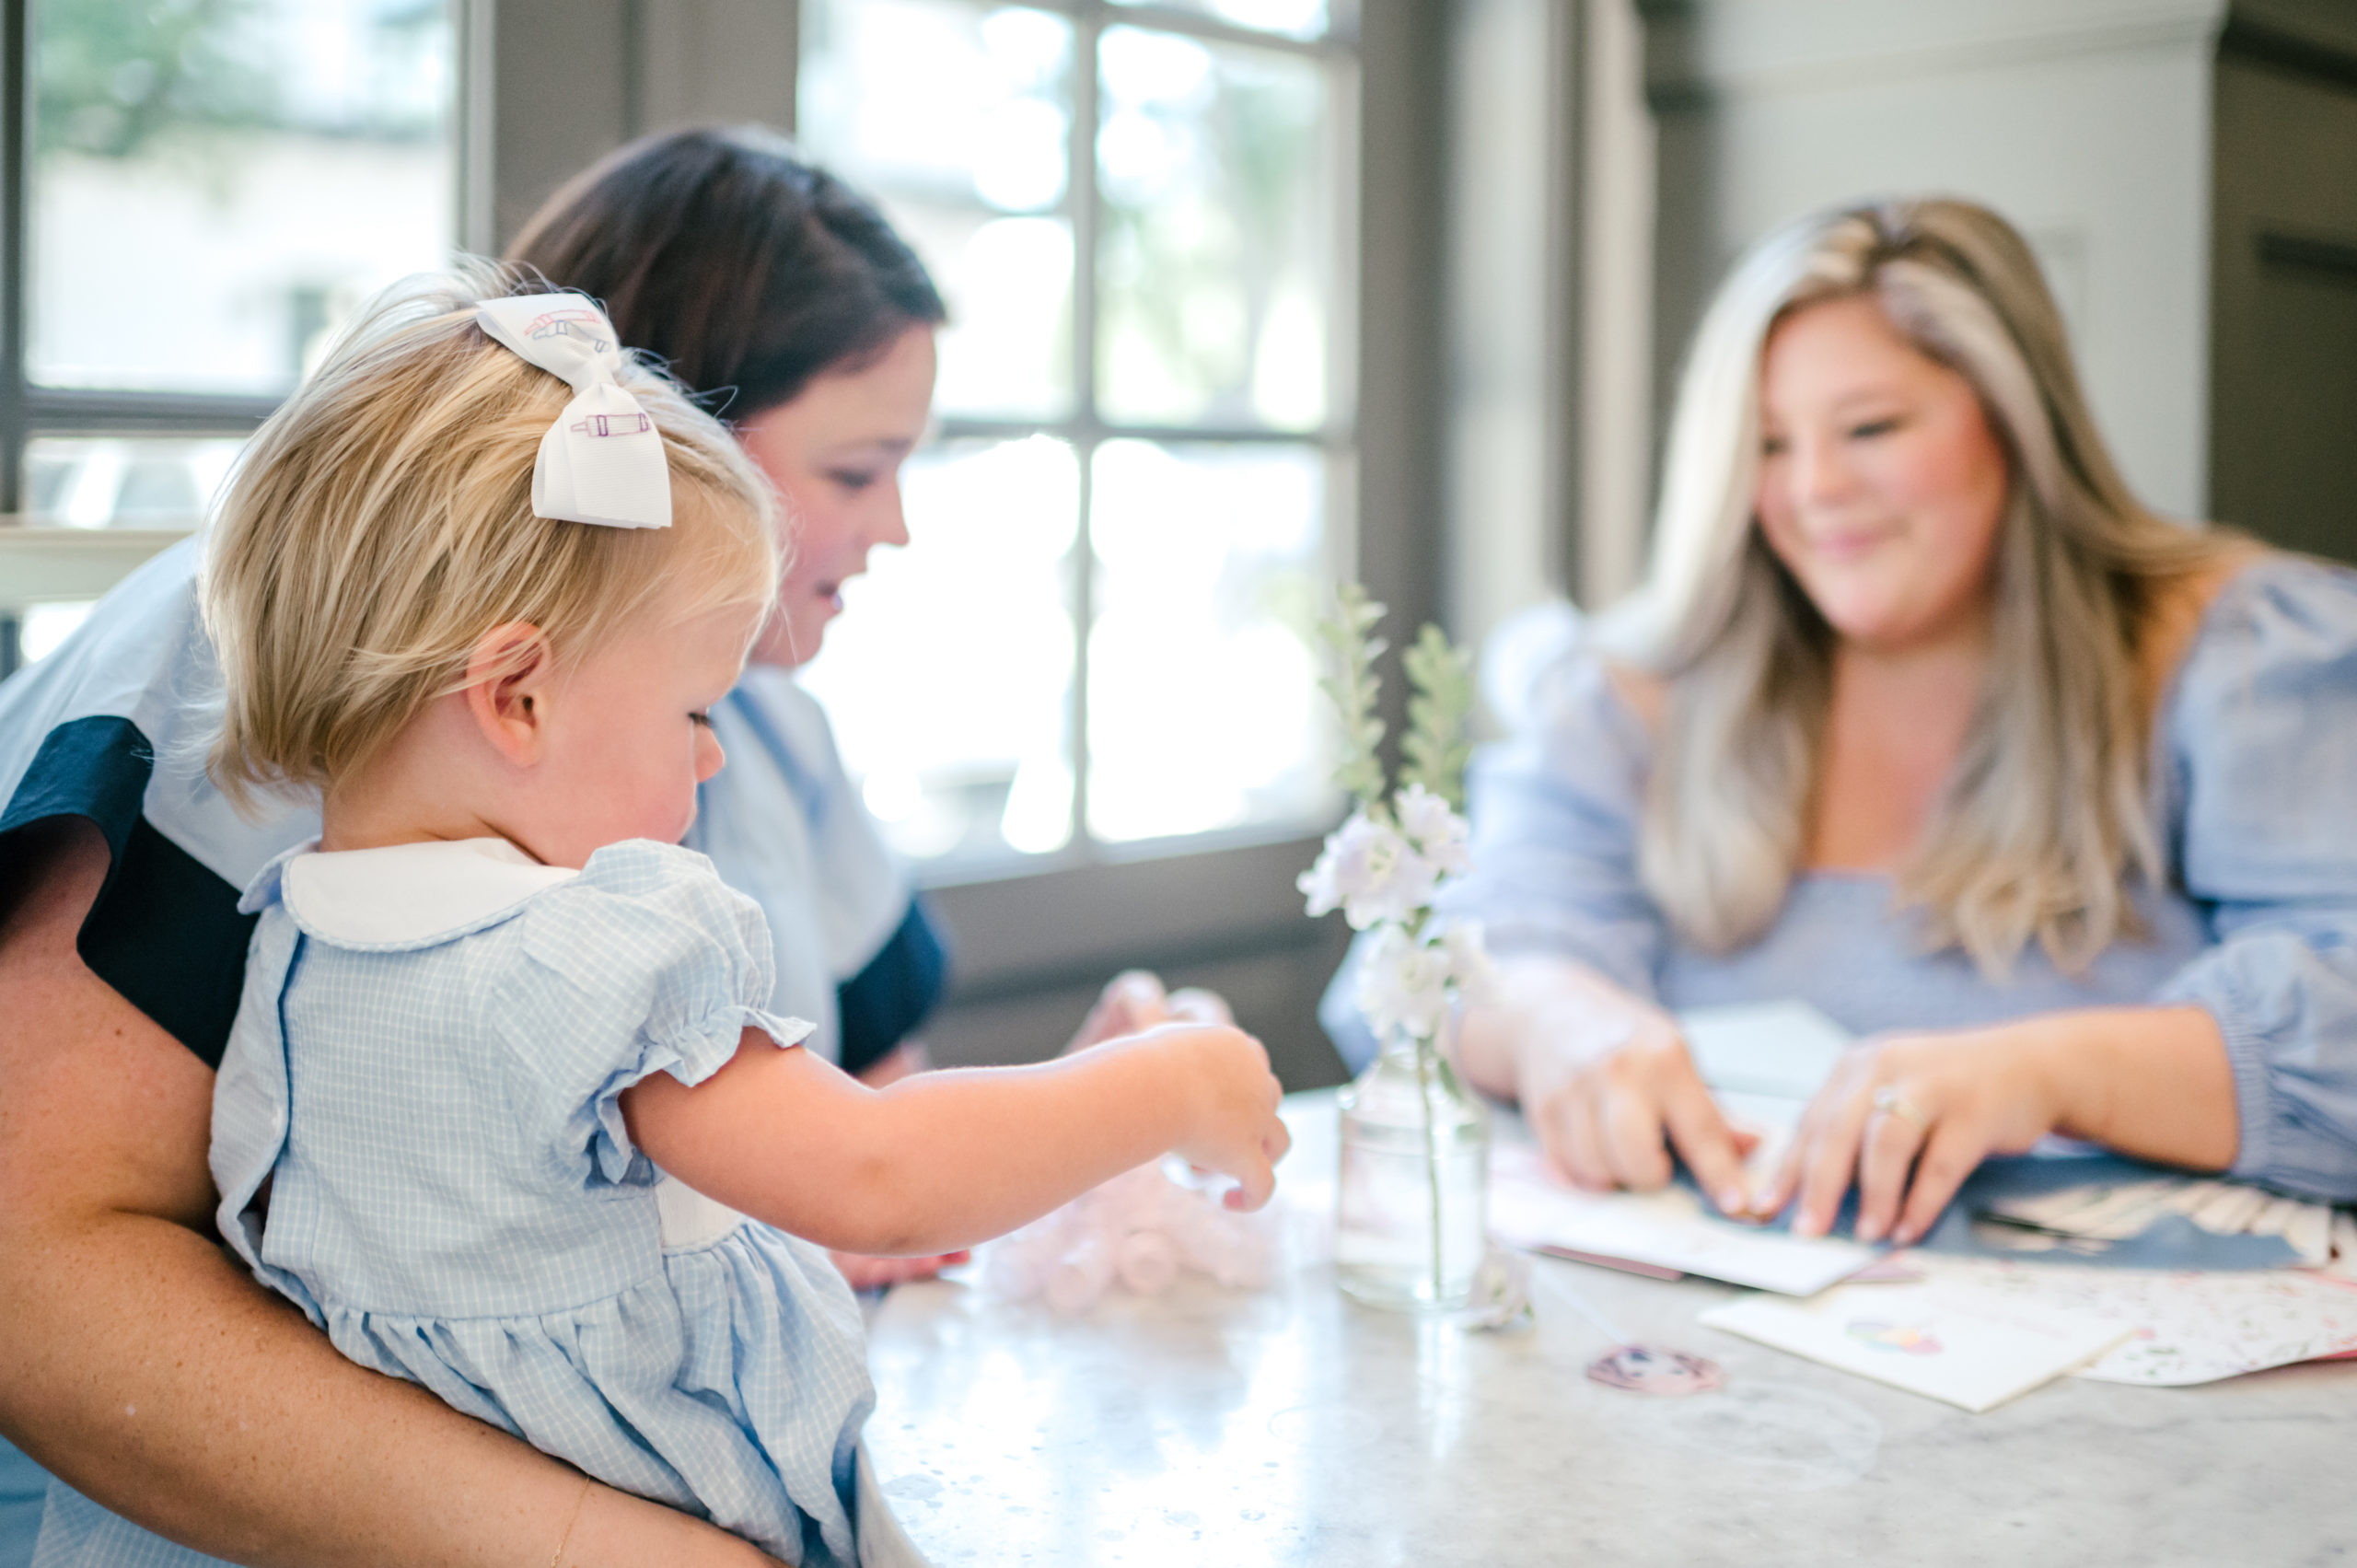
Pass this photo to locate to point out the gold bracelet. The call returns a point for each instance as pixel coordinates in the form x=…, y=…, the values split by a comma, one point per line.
x=567, y=1539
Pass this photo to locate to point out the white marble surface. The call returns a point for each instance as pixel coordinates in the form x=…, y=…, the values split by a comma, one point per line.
x=1293, y=1428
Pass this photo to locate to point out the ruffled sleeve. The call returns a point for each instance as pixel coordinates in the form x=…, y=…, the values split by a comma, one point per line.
x=2261, y=785
x=645, y=963
x=1554, y=809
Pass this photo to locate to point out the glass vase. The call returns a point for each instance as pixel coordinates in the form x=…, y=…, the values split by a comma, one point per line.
x=1411, y=1216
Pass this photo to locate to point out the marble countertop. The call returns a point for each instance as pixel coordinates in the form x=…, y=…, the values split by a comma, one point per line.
x=1294, y=1427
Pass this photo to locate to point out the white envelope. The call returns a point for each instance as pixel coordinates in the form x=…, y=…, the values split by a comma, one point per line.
x=1531, y=1207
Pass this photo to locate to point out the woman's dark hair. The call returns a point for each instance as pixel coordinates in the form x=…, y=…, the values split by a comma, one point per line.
x=743, y=267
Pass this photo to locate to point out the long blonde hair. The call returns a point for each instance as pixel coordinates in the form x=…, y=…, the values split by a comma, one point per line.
x=2046, y=821
x=381, y=523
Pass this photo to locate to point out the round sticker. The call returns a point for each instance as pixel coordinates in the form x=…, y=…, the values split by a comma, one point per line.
x=1646, y=1370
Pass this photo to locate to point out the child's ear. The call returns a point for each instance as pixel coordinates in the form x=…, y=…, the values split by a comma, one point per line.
x=507, y=690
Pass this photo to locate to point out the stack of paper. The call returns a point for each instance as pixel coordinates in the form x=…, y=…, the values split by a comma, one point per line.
x=2112, y=1212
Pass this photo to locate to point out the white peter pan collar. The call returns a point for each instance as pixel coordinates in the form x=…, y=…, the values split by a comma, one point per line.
x=405, y=893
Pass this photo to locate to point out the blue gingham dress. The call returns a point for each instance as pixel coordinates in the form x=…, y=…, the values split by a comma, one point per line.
x=454, y=1199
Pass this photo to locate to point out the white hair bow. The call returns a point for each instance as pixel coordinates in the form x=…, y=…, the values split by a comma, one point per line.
x=602, y=460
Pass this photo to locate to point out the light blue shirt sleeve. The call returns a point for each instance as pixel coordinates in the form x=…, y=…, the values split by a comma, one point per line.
x=2261, y=785
x=1555, y=813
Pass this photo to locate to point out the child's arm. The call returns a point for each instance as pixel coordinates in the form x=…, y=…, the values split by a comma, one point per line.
x=942, y=1160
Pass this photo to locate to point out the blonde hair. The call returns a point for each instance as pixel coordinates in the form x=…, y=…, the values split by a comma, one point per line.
x=381, y=522
x=2046, y=819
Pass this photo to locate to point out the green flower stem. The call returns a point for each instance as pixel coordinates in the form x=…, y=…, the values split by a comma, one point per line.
x=1432, y=1157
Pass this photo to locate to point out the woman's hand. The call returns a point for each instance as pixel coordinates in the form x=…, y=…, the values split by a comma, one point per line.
x=1909, y=1117
x=862, y=1271
x=866, y=1273
x=1134, y=1001
x=1605, y=1081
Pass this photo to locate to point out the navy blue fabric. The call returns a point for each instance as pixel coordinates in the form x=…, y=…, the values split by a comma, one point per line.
x=900, y=986
x=95, y=767
x=165, y=930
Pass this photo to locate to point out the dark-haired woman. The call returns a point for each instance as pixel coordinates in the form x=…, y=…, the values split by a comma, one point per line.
x=141, y=1365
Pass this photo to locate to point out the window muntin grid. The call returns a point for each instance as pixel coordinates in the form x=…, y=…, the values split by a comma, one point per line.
x=1199, y=344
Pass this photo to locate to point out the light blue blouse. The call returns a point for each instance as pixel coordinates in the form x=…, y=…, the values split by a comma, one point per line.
x=2255, y=781
x=788, y=825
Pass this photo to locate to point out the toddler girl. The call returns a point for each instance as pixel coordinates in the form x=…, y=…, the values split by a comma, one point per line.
x=504, y=1066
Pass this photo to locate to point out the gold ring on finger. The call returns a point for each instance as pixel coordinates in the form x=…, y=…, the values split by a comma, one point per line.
x=1888, y=1101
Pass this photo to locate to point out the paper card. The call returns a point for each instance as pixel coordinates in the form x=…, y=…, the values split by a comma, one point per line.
x=1531, y=1207
x=2183, y=1327
x=1961, y=1345
x=1782, y=1049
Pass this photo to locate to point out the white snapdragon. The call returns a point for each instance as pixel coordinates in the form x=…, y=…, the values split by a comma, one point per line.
x=1403, y=986
x=1438, y=833
x=1469, y=967
x=1370, y=872
x=1386, y=865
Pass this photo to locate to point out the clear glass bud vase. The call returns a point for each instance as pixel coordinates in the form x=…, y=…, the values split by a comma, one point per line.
x=1411, y=1220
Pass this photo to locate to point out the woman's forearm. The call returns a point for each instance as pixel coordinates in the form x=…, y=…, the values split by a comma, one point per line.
x=2151, y=1082
x=165, y=1386
x=148, y=1371
x=1546, y=1012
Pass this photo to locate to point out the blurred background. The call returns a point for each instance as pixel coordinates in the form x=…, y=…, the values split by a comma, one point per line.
x=1247, y=295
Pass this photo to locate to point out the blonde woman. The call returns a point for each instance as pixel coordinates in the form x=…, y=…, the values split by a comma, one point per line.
x=1923, y=717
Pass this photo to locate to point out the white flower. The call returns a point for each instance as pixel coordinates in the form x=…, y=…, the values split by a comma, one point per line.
x=1439, y=834
x=1469, y=967
x=1403, y=986
x=1370, y=873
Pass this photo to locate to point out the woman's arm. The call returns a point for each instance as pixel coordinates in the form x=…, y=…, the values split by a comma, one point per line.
x=1909, y=1117
x=152, y=1374
x=1604, y=1079
x=946, y=1159
x=1600, y=1070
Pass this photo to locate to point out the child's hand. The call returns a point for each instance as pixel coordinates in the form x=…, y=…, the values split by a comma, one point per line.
x=1235, y=1129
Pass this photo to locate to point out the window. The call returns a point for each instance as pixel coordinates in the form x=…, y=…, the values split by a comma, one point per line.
x=1142, y=218
x=204, y=191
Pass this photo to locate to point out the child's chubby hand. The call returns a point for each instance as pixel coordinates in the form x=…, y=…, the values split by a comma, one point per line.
x=1233, y=1127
